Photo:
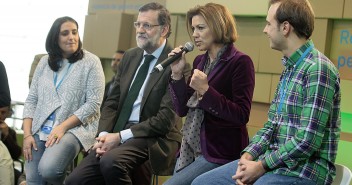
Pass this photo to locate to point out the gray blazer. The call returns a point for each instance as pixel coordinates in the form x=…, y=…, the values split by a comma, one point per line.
x=80, y=94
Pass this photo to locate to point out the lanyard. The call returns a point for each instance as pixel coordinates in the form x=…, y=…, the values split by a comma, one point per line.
x=284, y=81
x=55, y=77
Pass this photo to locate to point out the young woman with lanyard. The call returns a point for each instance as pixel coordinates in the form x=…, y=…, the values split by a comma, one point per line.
x=61, y=112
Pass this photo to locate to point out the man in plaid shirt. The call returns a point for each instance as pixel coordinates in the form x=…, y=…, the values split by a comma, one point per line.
x=298, y=144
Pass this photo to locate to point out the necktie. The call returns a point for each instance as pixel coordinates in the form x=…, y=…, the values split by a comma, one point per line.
x=132, y=94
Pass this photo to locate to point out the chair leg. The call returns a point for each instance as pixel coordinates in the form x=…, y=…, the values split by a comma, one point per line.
x=155, y=180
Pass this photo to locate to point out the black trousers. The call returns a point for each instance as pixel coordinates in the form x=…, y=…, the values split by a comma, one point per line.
x=127, y=164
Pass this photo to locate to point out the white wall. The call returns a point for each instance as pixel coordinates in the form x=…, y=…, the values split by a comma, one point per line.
x=24, y=25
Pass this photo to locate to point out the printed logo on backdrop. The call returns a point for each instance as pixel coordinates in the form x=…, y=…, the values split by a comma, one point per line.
x=341, y=48
x=117, y=6
x=345, y=59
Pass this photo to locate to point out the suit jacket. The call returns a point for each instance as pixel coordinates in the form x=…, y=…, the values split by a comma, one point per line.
x=159, y=124
x=226, y=104
x=80, y=93
x=107, y=88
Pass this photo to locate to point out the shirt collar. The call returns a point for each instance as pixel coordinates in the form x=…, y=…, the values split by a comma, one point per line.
x=293, y=59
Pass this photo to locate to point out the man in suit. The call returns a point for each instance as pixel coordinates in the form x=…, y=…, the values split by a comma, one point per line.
x=116, y=59
x=150, y=133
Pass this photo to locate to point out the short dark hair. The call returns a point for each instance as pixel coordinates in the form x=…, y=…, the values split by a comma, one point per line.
x=120, y=51
x=164, y=14
x=53, y=48
x=298, y=13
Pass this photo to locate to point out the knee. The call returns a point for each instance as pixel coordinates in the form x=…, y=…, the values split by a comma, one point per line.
x=51, y=173
x=198, y=181
x=73, y=179
x=110, y=165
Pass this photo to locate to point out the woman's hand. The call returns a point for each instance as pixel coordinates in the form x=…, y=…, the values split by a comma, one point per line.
x=28, y=144
x=56, y=134
x=59, y=131
x=177, y=66
x=199, y=82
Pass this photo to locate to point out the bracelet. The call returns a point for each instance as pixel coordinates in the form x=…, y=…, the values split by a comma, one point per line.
x=27, y=136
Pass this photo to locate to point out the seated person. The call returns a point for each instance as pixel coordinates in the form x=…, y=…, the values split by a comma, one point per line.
x=8, y=138
x=6, y=165
x=298, y=143
x=216, y=99
x=114, y=65
x=9, y=146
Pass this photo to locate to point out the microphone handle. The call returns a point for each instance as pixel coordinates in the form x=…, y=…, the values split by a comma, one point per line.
x=160, y=67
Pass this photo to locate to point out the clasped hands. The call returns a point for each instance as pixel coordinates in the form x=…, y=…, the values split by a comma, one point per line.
x=248, y=171
x=105, y=143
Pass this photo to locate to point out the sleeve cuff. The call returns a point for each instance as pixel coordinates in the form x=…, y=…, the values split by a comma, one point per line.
x=126, y=135
x=265, y=165
x=102, y=133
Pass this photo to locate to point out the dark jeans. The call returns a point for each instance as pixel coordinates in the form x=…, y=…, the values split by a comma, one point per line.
x=17, y=175
x=127, y=163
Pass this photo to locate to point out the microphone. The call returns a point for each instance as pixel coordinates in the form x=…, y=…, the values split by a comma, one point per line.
x=187, y=48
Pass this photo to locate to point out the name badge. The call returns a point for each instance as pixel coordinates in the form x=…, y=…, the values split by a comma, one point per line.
x=48, y=124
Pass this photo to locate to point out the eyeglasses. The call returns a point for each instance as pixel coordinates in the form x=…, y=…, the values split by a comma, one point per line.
x=145, y=25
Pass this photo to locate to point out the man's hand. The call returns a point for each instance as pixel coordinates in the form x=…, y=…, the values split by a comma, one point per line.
x=237, y=177
x=248, y=171
x=247, y=156
x=106, y=143
x=238, y=173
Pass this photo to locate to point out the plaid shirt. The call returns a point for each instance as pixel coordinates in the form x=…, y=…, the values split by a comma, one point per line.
x=301, y=140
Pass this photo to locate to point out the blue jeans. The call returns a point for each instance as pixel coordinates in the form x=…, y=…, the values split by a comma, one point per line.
x=49, y=164
x=223, y=175
x=186, y=175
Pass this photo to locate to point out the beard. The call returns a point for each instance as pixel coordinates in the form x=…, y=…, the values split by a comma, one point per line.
x=147, y=42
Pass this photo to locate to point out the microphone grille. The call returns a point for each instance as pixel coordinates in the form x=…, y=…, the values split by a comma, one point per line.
x=189, y=46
